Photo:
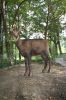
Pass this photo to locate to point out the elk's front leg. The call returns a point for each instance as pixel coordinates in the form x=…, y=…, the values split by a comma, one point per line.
x=49, y=65
x=45, y=58
x=26, y=66
x=47, y=61
x=44, y=67
x=29, y=65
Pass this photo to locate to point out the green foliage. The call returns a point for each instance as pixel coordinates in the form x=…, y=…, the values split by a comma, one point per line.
x=4, y=63
x=37, y=59
x=63, y=55
x=33, y=16
x=18, y=61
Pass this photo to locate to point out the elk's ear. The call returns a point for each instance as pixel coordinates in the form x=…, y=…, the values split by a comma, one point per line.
x=14, y=26
x=19, y=32
x=11, y=32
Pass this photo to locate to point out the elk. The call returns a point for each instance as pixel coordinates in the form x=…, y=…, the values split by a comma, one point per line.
x=31, y=47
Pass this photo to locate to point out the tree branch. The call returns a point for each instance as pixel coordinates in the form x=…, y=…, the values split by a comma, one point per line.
x=17, y=10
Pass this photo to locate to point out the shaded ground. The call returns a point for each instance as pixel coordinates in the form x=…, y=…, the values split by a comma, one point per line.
x=40, y=86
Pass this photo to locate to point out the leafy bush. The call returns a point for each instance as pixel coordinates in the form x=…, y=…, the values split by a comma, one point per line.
x=4, y=63
x=37, y=59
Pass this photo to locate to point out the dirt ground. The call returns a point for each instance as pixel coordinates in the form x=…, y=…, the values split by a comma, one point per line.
x=40, y=86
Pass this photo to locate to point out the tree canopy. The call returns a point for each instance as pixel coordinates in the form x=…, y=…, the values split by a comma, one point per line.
x=31, y=17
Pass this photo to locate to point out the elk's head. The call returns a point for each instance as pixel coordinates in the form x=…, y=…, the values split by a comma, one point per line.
x=15, y=32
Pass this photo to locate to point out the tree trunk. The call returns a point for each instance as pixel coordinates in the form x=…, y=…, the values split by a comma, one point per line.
x=58, y=43
x=47, y=19
x=46, y=28
x=6, y=42
x=55, y=47
x=1, y=30
x=18, y=29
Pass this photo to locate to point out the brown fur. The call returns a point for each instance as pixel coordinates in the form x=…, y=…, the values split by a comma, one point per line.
x=32, y=47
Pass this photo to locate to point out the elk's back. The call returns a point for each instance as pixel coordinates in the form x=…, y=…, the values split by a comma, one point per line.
x=35, y=45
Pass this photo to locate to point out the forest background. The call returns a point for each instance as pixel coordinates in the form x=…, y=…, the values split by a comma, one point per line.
x=35, y=19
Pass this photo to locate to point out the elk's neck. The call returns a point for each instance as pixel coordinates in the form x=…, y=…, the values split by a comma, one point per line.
x=18, y=42
x=16, y=39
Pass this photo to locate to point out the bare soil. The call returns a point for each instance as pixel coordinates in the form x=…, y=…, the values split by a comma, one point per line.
x=40, y=86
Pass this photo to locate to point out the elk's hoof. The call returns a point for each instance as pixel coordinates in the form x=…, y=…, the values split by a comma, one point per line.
x=25, y=74
x=43, y=71
x=48, y=71
x=30, y=74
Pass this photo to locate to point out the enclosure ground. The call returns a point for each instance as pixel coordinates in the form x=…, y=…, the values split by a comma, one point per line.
x=40, y=86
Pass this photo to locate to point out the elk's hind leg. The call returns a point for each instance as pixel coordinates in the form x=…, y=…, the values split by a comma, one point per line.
x=26, y=66
x=29, y=65
x=49, y=64
x=46, y=59
x=45, y=66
